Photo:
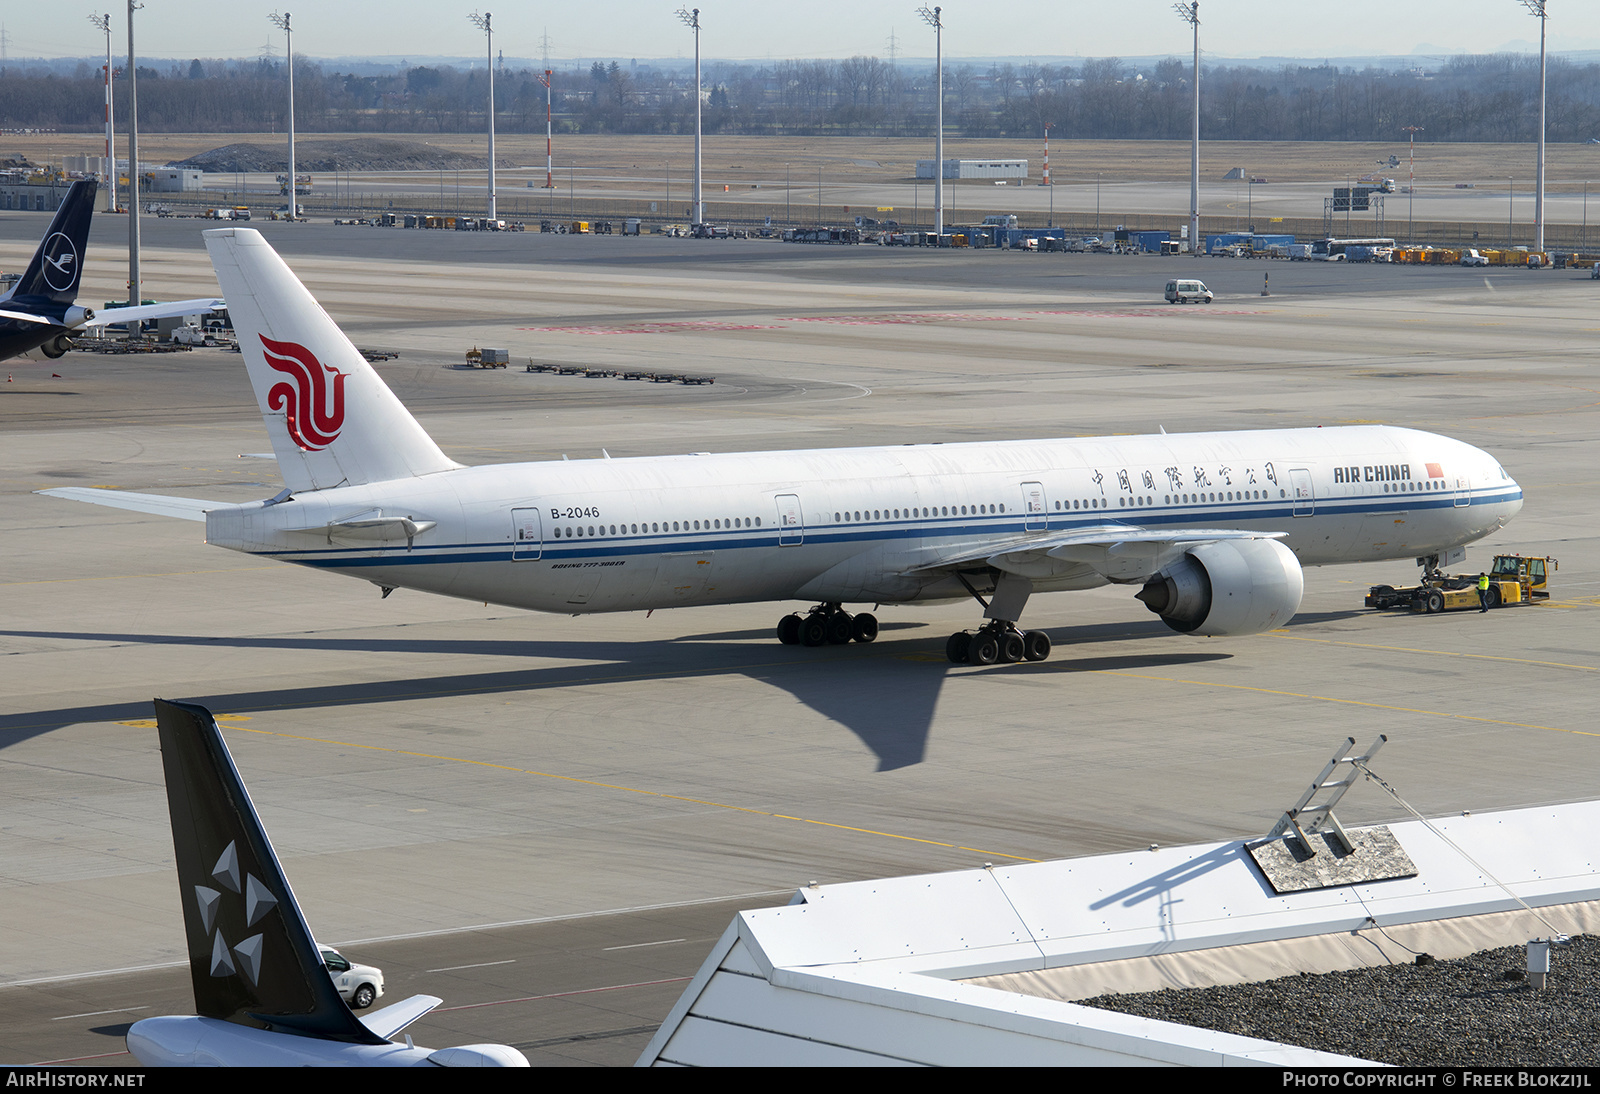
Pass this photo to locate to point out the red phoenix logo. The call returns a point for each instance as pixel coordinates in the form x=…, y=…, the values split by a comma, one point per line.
x=313, y=423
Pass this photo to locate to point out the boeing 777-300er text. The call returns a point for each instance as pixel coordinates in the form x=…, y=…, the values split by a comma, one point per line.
x=1213, y=527
x=40, y=313
x=263, y=992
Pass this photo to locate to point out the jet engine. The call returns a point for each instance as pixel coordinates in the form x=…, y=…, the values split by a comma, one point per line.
x=1228, y=587
x=56, y=346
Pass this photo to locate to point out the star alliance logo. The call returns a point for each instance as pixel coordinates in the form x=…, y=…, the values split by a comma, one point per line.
x=245, y=958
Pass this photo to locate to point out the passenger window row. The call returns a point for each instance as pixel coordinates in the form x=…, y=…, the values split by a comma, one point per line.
x=656, y=528
x=850, y=517
x=1222, y=495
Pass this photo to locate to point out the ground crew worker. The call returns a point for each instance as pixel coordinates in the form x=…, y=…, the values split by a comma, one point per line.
x=1483, y=593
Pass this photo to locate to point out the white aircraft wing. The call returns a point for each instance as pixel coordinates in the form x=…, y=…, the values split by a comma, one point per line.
x=170, y=309
x=395, y=1017
x=159, y=504
x=1118, y=552
x=27, y=317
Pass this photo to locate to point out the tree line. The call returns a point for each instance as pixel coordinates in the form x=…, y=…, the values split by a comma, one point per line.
x=1468, y=98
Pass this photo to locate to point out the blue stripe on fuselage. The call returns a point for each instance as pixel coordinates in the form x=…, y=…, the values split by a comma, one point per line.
x=866, y=532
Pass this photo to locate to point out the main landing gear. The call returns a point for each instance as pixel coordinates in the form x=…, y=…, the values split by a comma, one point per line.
x=827, y=625
x=999, y=641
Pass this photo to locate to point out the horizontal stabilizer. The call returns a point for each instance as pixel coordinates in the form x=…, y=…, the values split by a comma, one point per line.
x=159, y=504
x=397, y=1016
x=27, y=317
x=171, y=309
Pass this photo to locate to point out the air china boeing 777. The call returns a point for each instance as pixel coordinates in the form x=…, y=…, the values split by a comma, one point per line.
x=1213, y=527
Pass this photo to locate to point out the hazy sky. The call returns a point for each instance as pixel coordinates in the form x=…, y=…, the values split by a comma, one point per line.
x=181, y=29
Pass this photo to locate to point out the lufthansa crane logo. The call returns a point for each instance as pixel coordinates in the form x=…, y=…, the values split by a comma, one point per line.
x=60, y=267
x=314, y=406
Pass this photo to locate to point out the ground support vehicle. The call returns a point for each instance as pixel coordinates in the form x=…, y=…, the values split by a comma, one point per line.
x=1513, y=579
x=359, y=985
x=488, y=358
x=1184, y=291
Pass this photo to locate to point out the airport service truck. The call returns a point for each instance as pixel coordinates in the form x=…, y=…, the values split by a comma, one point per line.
x=1513, y=579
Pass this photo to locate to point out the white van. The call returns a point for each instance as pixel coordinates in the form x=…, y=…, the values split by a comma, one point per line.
x=1184, y=292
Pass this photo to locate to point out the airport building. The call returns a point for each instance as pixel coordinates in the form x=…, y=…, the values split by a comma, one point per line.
x=979, y=966
x=975, y=169
x=42, y=195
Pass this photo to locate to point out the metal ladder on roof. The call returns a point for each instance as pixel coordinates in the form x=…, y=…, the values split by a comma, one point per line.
x=1303, y=817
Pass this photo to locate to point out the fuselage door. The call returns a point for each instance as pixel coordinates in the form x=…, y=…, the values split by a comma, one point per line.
x=1033, y=507
x=1463, y=490
x=527, y=535
x=1305, y=502
x=791, y=527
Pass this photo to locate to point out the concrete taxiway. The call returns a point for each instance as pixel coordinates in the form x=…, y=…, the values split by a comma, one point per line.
x=550, y=818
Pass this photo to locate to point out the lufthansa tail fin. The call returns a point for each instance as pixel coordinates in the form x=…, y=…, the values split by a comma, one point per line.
x=252, y=958
x=332, y=419
x=57, y=265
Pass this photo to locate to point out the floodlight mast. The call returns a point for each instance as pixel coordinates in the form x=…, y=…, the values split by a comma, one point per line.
x=1536, y=9
x=134, y=287
x=281, y=21
x=1190, y=14
x=104, y=23
x=484, y=23
x=1411, y=183
x=691, y=19
x=932, y=18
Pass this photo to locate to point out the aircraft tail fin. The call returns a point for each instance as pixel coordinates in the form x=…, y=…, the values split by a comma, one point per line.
x=57, y=265
x=332, y=419
x=252, y=958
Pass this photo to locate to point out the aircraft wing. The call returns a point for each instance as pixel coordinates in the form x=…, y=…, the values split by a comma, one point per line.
x=170, y=309
x=28, y=317
x=395, y=1017
x=159, y=504
x=1118, y=552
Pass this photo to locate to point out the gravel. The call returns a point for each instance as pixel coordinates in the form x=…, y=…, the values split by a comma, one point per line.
x=354, y=154
x=1477, y=1010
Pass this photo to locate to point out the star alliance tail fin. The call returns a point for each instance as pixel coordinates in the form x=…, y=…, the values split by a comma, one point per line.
x=252, y=958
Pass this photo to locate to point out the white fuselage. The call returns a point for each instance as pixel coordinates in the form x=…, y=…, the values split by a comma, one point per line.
x=192, y=1041
x=857, y=524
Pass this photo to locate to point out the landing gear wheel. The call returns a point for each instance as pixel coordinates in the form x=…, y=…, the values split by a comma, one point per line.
x=789, y=630
x=1011, y=648
x=984, y=649
x=839, y=629
x=813, y=630
x=956, y=647
x=865, y=627
x=1036, y=645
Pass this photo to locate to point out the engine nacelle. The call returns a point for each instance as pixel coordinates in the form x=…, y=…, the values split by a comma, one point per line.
x=56, y=346
x=76, y=316
x=1229, y=587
